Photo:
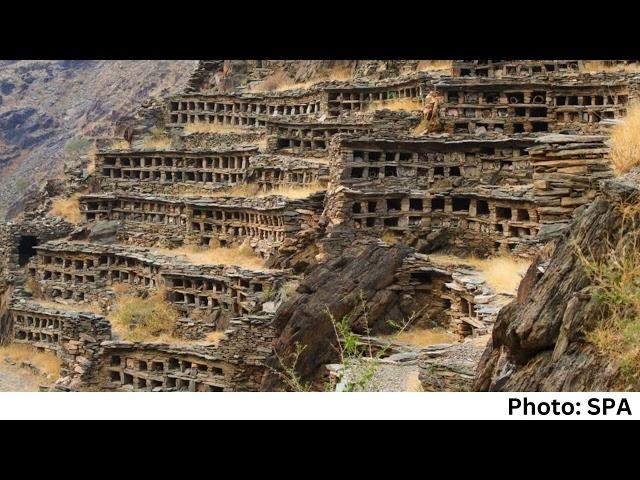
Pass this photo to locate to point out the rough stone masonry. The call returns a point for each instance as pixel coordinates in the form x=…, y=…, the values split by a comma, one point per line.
x=354, y=186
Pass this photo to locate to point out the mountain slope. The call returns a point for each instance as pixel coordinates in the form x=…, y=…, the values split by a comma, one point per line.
x=45, y=103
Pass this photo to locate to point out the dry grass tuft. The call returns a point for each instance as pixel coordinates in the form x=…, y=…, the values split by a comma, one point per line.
x=143, y=319
x=290, y=287
x=91, y=166
x=214, y=337
x=616, y=289
x=423, y=337
x=239, y=190
x=625, y=141
x=46, y=362
x=295, y=192
x=32, y=286
x=212, y=128
x=280, y=81
x=423, y=127
x=253, y=190
x=120, y=288
x=434, y=65
x=91, y=159
x=72, y=307
x=389, y=237
x=502, y=274
x=338, y=74
x=119, y=144
x=67, y=208
x=594, y=66
x=241, y=256
x=152, y=143
x=395, y=105
x=275, y=82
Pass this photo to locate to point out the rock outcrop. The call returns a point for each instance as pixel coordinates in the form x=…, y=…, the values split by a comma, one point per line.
x=337, y=286
x=450, y=367
x=538, y=343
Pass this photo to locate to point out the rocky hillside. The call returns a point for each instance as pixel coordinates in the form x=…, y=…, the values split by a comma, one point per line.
x=44, y=104
x=544, y=340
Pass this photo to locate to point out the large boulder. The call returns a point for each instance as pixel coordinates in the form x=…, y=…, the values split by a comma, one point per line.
x=338, y=286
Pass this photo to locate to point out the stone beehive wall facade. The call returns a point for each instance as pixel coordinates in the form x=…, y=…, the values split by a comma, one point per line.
x=234, y=364
x=53, y=329
x=313, y=138
x=497, y=223
x=540, y=105
x=420, y=163
x=160, y=369
x=328, y=98
x=512, y=68
x=92, y=361
x=484, y=188
x=75, y=337
x=163, y=167
x=280, y=171
x=354, y=99
x=241, y=109
x=266, y=222
x=231, y=289
x=308, y=138
x=87, y=273
x=84, y=272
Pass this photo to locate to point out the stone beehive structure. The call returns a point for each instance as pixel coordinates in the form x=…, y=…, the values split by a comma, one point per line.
x=489, y=158
x=85, y=272
x=482, y=192
x=512, y=68
x=538, y=104
x=186, y=167
x=268, y=222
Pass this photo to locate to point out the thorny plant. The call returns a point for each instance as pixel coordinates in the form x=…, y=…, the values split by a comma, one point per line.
x=359, y=360
x=286, y=371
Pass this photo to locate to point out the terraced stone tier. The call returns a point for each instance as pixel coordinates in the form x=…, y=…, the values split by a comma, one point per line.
x=84, y=272
x=241, y=109
x=512, y=68
x=277, y=171
x=581, y=103
x=455, y=180
x=360, y=97
x=332, y=99
x=309, y=138
x=224, y=167
x=453, y=294
x=268, y=222
x=502, y=219
x=419, y=163
x=52, y=328
x=235, y=363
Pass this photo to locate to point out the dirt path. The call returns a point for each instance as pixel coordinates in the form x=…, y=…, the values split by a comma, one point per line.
x=15, y=379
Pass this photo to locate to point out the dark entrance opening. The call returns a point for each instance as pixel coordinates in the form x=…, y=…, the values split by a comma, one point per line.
x=26, y=249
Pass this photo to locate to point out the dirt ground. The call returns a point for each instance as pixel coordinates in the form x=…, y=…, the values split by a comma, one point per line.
x=16, y=379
